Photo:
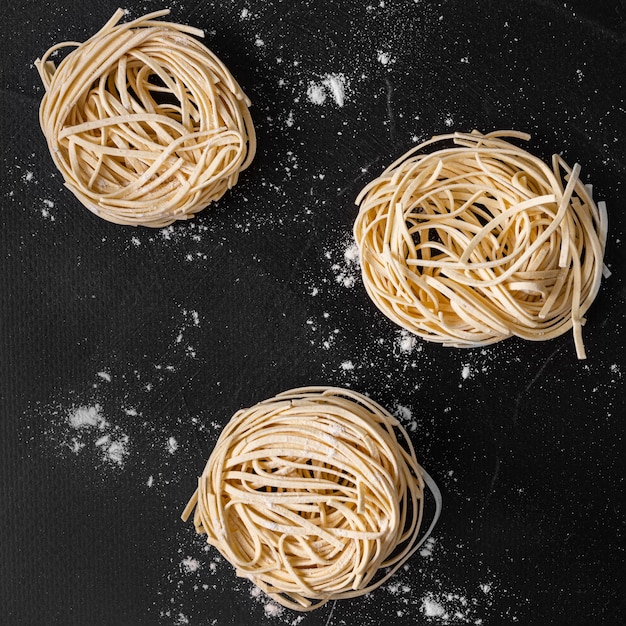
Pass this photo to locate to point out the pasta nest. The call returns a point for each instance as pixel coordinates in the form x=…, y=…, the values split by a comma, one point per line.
x=146, y=125
x=311, y=496
x=468, y=239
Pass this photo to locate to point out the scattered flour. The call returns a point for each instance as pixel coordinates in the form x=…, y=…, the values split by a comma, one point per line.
x=325, y=340
x=190, y=565
x=92, y=429
x=48, y=205
x=172, y=445
x=336, y=85
x=406, y=343
x=405, y=415
x=190, y=320
x=270, y=608
x=439, y=606
x=101, y=425
x=428, y=547
x=385, y=58
x=439, y=601
x=315, y=93
x=432, y=608
x=348, y=269
x=330, y=85
x=86, y=417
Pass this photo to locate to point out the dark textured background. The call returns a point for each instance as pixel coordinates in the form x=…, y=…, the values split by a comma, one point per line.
x=194, y=322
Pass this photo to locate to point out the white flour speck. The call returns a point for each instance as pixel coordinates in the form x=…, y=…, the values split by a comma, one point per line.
x=116, y=450
x=86, y=417
x=403, y=412
x=45, y=211
x=432, y=608
x=384, y=58
x=427, y=548
x=406, y=343
x=172, y=445
x=348, y=269
x=333, y=85
x=190, y=565
x=336, y=85
x=90, y=422
x=405, y=415
x=272, y=609
x=315, y=93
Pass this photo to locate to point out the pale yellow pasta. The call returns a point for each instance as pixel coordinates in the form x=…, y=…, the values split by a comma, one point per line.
x=313, y=497
x=468, y=239
x=146, y=125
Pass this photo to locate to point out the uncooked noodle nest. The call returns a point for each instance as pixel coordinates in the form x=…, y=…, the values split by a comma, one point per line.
x=313, y=495
x=468, y=239
x=146, y=125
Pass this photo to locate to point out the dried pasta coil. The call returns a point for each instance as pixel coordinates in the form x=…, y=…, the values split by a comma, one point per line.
x=146, y=125
x=313, y=495
x=468, y=239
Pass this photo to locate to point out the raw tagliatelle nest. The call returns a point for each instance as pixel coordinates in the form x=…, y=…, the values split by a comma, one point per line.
x=468, y=239
x=146, y=125
x=313, y=495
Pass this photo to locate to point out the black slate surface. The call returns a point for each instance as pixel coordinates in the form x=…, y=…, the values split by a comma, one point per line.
x=163, y=335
